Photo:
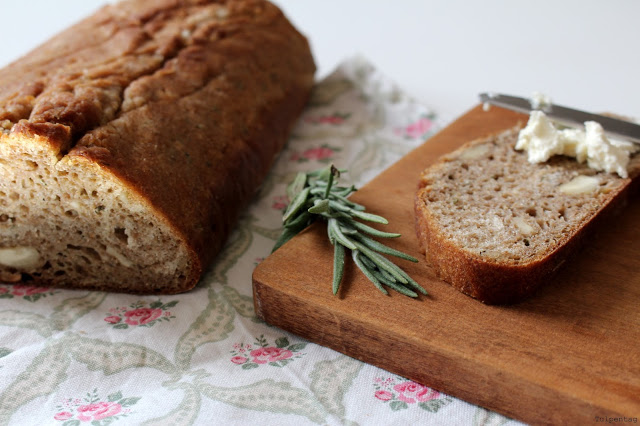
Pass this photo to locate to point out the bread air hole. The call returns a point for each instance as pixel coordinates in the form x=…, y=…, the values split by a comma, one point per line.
x=121, y=235
x=90, y=252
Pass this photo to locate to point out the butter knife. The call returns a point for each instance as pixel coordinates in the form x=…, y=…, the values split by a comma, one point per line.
x=571, y=117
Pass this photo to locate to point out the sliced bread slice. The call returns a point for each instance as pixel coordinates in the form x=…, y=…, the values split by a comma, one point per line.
x=496, y=227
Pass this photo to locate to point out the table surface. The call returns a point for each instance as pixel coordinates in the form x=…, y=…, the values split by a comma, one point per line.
x=579, y=52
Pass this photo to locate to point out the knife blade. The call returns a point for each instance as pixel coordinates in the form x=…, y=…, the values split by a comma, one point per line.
x=568, y=116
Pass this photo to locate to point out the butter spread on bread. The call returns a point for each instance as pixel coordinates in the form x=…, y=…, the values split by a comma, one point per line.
x=541, y=139
x=497, y=227
x=131, y=142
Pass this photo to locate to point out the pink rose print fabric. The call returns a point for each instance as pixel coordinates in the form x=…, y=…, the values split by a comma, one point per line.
x=26, y=292
x=140, y=314
x=322, y=154
x=419, y=129
x=411, y=392
x=94, y=410
x=400, y=394
x=334, y=119
x=262, y=353
x=280, y=202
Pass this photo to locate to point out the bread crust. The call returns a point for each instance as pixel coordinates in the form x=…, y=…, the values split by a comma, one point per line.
x=183, y=104
x=497, y=281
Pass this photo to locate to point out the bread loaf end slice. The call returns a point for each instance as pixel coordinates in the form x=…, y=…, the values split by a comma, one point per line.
x=69, y=219
x=497, y=227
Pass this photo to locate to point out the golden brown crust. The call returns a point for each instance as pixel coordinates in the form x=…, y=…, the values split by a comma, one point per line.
x=187, y=103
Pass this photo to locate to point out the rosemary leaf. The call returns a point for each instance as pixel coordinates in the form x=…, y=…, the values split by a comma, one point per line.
x=379, y=247
x=330, y=182
x=331, y=235
x=381, y=262
x=338, y=206
x=372, y=231
x=355, y=254
x=401, y=289
x=368, y=216
x=339, y=236
x=338, y=266
x=296, y=204
x=347, y=230
x=413, y=283
x=299, y=222
x=368, y=262
x=297, y=185
x=346, y=201
x=319, y=207
x=387, y=276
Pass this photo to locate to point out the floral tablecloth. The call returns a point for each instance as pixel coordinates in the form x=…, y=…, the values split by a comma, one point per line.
x=77, y=357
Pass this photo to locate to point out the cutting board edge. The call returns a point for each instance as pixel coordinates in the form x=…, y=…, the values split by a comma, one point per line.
x=445, y=364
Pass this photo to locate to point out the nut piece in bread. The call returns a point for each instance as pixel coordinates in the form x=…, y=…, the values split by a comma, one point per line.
x=497, y=227
x=130, y=143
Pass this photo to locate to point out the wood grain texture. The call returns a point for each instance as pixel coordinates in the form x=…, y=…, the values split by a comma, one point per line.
x=565, y=356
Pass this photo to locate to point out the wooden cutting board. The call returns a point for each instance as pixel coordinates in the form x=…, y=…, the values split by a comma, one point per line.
x=568, y=355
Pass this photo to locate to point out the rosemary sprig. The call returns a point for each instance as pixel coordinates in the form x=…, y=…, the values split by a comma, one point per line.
x=316, y=195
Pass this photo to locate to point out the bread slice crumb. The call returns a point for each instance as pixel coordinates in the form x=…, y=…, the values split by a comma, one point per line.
x=496, y=226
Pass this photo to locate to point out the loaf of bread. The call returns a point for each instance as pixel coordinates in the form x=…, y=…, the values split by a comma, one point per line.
x=497, y=227
x=131, y=142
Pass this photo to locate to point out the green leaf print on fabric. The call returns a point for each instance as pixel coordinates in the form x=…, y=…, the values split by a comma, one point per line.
x=73, y=308
x=28, y=320
x=65, y=314
x=268, y=395
x=330, y=381
x=186, y=412
x=114, y=357
x=282, y=342
x=213, y=324
x=41, y=377
x=241, y=303
x=483, y=417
